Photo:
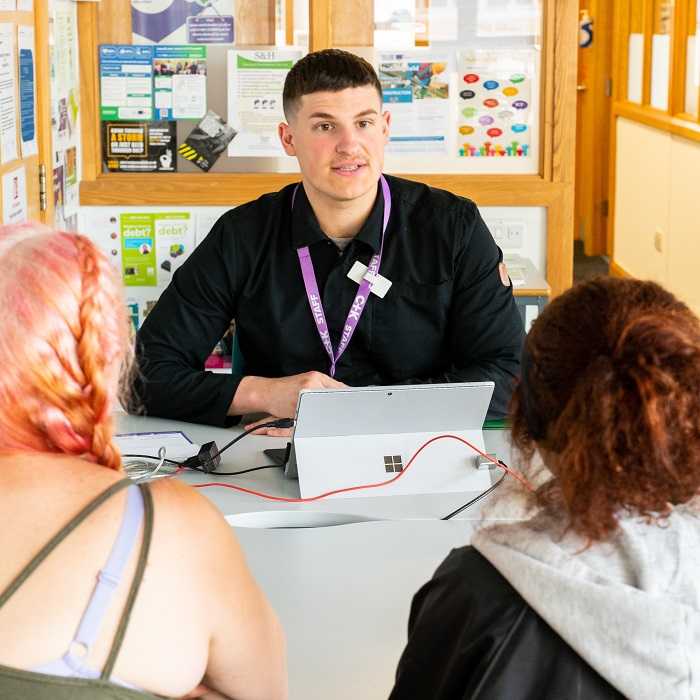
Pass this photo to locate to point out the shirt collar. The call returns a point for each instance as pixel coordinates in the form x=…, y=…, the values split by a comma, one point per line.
x=306, y=231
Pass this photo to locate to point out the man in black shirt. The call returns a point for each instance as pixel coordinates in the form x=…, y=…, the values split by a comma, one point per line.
x=349, y=278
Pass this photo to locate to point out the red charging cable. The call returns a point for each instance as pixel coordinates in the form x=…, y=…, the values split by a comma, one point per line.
x=365, y=486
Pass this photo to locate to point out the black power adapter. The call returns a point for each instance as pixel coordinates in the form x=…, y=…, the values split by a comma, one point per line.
x=209, y=457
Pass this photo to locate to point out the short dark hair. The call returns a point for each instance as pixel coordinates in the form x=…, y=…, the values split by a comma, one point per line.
x=610, y=383
x=328, y=70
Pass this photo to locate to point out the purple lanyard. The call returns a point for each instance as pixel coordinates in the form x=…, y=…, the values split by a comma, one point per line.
x=307, y=271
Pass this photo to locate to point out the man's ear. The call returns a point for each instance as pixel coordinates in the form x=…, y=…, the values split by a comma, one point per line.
x=285, y=134
x=386, y=117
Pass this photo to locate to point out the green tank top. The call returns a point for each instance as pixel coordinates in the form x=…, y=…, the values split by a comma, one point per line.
x=19, y=684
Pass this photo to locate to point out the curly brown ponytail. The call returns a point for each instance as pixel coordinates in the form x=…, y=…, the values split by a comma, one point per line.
x=610, y=389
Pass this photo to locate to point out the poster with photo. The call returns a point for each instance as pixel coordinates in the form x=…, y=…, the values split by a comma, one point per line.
x=180, y=82
x=153, y=246
x=495, y=103
x=138, y=250
x=14, y=196
x=139, y=147
x=416, y=93
x=207, y=141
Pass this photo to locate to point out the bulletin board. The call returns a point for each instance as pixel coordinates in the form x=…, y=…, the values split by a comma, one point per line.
x=539, y=176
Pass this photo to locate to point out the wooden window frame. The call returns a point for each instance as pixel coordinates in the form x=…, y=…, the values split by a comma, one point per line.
x=674, y=119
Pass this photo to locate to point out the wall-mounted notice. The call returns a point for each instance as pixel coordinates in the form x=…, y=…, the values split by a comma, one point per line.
x=416, y=94
x=138, y=250
x=8, y=119
x=59, y=194
x=126, y=82
x=70, y=160
x=182, y=21
x=14, y=196
x=207, y=141
x=179, y=82
x=27, y=91
x=138, y=147
x=495, y=102
x=256, y=80
x=154, y=246
x=174, y=243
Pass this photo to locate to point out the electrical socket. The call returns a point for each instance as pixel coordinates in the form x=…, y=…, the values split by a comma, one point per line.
x=508, y=233
x=514, y=236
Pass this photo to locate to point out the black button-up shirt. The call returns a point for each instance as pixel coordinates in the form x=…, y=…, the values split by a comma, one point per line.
x=447, y=317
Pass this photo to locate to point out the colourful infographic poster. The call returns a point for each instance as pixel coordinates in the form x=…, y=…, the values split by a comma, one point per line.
x=495, y=103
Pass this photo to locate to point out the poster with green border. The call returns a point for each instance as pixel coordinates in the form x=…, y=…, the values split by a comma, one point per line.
x=146, y=237
x=138, y=250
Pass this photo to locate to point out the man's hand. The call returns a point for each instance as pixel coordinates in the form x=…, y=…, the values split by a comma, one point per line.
x=272, y=432
x=277, y=397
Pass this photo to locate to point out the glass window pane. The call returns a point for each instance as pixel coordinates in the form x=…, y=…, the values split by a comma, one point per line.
x=663, y=15
x=461, y=23
x=692, y=68
x=461, y=80
x=661, y=53
x=635, y=51
x=395, y=24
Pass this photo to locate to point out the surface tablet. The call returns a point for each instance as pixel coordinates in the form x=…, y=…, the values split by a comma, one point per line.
x=353, y=439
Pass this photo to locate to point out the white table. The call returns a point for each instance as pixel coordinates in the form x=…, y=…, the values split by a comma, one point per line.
x=342, y=591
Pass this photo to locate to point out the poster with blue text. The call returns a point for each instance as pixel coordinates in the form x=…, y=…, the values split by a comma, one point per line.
x=182, y=21
x=416, y=90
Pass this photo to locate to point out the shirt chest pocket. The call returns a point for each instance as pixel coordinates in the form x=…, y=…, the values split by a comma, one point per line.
x=411, y=327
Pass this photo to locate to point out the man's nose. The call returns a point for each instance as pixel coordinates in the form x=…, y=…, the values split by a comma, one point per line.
x=347, y=141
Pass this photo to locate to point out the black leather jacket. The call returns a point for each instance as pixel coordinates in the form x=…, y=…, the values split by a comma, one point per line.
x=472, y=637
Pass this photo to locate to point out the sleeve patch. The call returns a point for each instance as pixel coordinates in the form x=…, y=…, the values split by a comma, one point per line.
x=503, y=272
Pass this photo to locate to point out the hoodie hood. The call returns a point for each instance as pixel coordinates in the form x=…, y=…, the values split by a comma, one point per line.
x=629, y=606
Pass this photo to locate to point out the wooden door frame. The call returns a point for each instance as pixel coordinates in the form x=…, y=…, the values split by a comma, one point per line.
x=594, y=111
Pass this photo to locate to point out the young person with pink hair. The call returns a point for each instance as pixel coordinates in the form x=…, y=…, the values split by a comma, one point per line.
x=108, y=589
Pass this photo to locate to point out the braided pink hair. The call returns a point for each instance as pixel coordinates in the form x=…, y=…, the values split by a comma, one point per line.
x=63, y=338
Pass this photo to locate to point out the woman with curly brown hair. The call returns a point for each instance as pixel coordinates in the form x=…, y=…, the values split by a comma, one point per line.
x=598, y=594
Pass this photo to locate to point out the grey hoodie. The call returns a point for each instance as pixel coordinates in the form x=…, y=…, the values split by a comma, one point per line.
x=629, y=606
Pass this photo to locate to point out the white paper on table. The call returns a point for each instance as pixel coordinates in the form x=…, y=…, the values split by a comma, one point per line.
x=177, y=445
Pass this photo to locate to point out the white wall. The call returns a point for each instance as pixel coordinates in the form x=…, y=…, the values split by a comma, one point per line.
x=657, y=228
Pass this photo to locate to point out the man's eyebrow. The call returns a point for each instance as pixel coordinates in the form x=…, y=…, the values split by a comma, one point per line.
x=325, y=115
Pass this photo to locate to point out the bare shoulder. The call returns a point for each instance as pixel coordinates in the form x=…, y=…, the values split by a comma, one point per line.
x=193, y=540
x=187, y=514
x=193, y=545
